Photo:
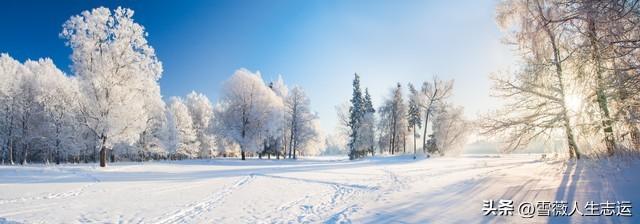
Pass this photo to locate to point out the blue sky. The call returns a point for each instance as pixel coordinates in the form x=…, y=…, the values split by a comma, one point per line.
x=315, y=44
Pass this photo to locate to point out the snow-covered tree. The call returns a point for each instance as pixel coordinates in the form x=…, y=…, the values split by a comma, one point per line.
x=184, y=135
x=280, y=88
x=58, y=94
x=367, y=130
x=225, y=147
x=356, y=114
x=29, y=110
x=115, y=66
x=393, y=120
x=303, y=131
x=336, y=143
x=11, y=72
x=243, y=111
x=313, y=143
x=432, y=93
x=414, y=115
x=201, y=111
x=153, y=136
x=537, y=95
x=22, y=112
x=280, y=145
x=450, y=130
x=574, y=52
x=618, y=41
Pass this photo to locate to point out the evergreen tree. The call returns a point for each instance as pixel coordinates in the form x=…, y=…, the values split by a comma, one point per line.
x=368, y=104
x=356, y=113
x=367, y=128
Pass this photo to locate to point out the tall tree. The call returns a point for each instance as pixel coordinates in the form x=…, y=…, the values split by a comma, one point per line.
x=414, y=115
x=201, y=111
x=186, y=144
x=586, y=21
x=367, y=129
x=155, y=128
x=356, y=113
x=607, y=37
x=282, y=91
x=619, y=23
x=115, y=66
x=393, y=119
x=538, y=94
x=300, y=120
x=432, y=93
x=244, y=109
x=30, y=110
x=11, y=72
x=58, y=94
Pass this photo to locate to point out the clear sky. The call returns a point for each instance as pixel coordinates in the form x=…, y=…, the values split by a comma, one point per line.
x=315, y=44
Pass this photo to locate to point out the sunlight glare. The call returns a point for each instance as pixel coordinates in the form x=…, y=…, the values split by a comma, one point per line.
x=573, y=102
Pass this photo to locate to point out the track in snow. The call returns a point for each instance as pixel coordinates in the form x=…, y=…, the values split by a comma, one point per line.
x=193, y=209
x=60, y=195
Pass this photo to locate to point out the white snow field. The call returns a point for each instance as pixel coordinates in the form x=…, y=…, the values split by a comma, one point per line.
x=313, y=190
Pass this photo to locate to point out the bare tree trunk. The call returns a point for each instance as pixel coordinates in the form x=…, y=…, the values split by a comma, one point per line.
x=284, y=144
x=25, y=134
x=103, y=152
x=393, y=135
x=47, y=155
x=294, y=146
x=294, y=149
x=103, y=156
x=414, y=141
x=25, y=153
x=10, y=145
x=571, y=141
x=58, y=151
x=242, y=154
x=635, y=137
x=600, y=94
x=573, y=147
x=404, y=143
x=96, y=153
x=424, y=133
x=372, y=148
x=392, y=145
x=390, y=142
x=291, y=144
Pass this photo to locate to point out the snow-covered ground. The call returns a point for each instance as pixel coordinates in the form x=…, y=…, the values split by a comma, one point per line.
x=334, y=190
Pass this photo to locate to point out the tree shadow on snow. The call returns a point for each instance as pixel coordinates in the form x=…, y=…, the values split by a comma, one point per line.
x=585, y=181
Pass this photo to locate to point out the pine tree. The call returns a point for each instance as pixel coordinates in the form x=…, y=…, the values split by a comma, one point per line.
x=367, y=128
x=356, y=113
x=368, y=104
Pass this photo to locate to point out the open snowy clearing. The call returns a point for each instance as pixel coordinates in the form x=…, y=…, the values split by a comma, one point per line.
x=378, y=190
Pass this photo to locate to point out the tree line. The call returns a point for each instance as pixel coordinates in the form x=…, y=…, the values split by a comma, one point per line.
x=111, y=108
x=397, y=121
